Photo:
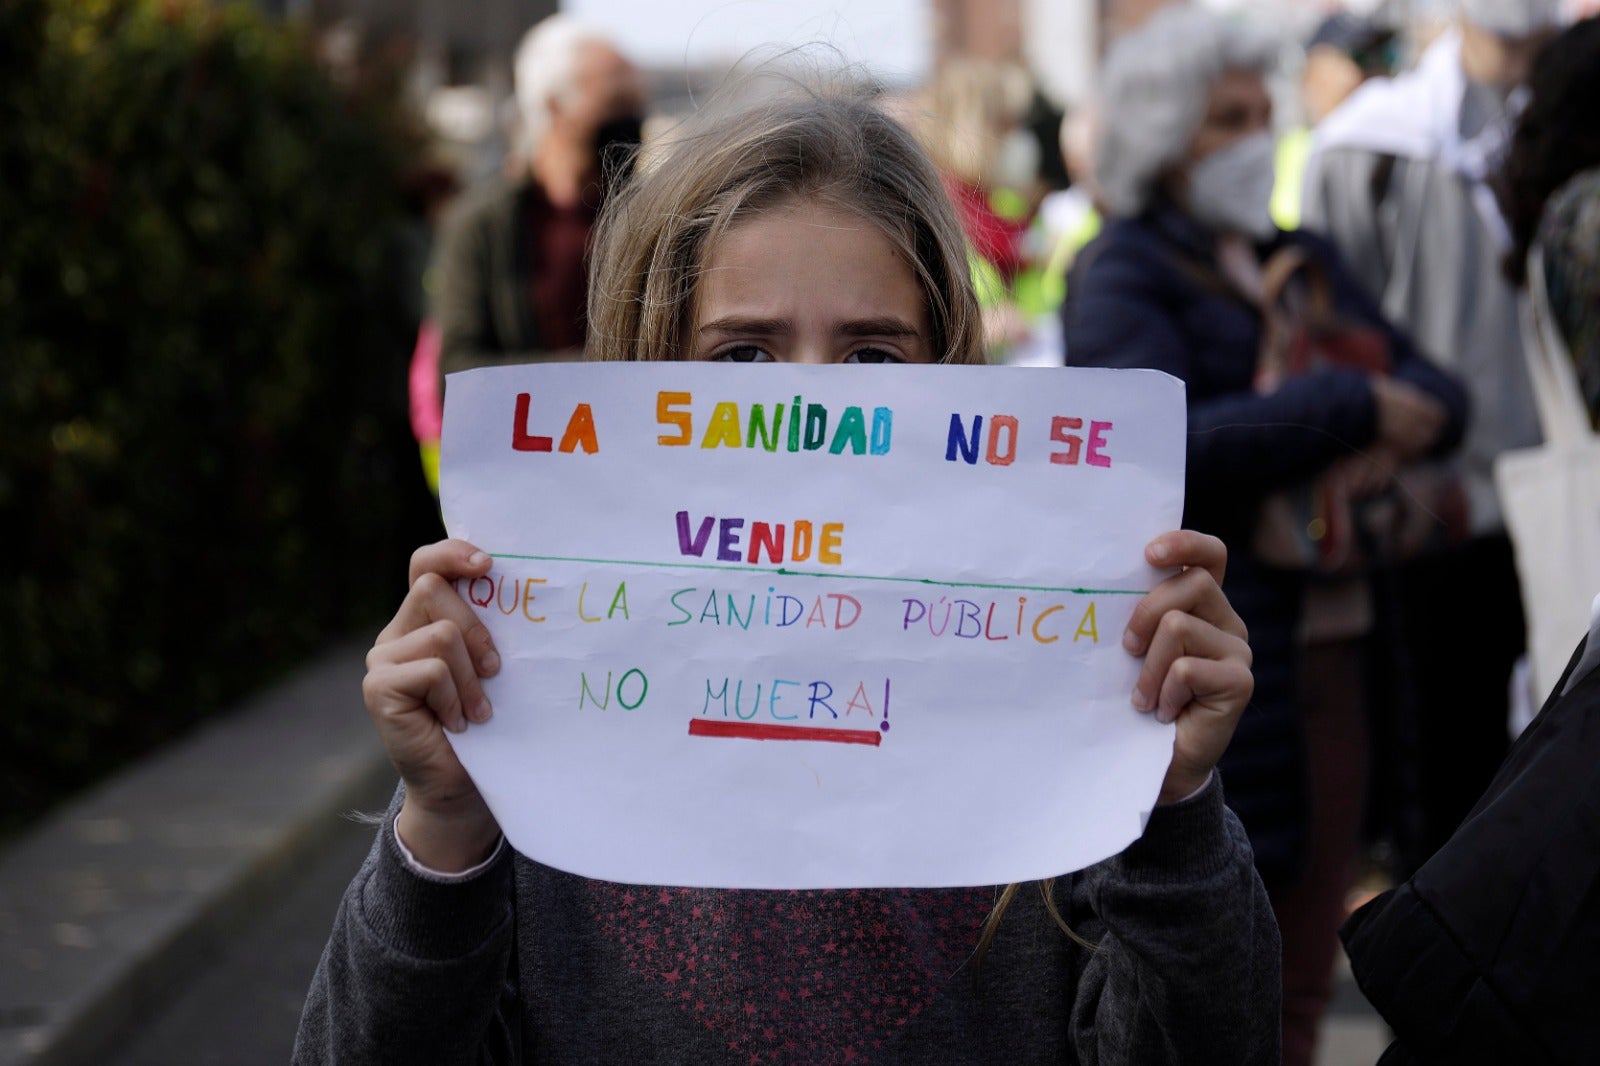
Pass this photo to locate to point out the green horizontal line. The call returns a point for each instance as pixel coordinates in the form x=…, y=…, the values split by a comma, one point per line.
x=784, y=571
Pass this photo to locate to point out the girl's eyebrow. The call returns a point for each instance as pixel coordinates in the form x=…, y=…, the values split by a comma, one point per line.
x=888, y=326
x=764, y=327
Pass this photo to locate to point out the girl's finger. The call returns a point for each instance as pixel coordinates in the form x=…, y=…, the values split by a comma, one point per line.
x=1178, y=636
x=1186, y=548
x=1193, y=591
x=463, y=698
x=1223, y=686
x=449, y=559
x=396, y=691
x=433, y=599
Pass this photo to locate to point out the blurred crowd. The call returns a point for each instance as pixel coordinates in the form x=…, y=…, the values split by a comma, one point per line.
x=1352, y=244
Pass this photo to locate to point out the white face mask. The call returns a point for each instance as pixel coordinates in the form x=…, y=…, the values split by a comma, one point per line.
x=1230, y=190
x=1016, y=165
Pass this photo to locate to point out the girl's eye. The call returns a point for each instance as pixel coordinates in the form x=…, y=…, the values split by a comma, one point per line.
x=872, y=355
x=743, y=353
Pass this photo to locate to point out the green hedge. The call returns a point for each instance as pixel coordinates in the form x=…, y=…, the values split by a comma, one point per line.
x=204, y=475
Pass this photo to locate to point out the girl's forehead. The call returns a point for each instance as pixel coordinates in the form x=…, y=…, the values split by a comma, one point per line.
x=801, y=252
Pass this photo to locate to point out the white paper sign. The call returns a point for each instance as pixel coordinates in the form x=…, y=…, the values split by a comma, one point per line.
x=812, y=627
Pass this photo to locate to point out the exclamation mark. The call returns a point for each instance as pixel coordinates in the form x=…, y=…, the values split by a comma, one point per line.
x=884, y=725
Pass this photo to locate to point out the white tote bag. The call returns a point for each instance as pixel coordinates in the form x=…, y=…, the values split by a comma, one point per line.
x=1550, y=496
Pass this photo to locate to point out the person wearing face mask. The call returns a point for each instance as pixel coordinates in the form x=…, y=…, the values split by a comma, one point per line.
x=1175, y=282
x=510, y=279
x=1400, y=180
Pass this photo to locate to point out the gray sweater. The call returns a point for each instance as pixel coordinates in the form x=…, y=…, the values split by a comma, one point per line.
x=525, y=963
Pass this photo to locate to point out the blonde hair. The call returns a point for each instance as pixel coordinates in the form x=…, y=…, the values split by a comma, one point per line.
x=1002, y=903
x=727, y=164
x=969, y=108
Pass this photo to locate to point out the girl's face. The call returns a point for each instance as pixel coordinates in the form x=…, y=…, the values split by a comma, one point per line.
x=808, y=283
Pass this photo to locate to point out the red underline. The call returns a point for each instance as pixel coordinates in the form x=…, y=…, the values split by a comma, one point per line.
x=710, y=727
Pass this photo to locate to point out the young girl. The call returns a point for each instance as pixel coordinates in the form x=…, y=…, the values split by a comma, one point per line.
x=808, y=229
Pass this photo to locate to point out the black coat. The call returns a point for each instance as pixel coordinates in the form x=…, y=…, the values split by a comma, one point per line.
x=1491, y=953
x=1142, y=296
x=482, y=273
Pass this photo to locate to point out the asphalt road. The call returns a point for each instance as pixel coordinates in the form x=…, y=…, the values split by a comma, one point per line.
x=241, y=1008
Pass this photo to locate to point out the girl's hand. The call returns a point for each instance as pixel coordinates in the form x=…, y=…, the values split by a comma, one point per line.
x=423, y=679
x=1197, y=661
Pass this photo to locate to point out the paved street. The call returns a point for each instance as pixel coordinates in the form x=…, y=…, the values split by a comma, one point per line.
x=241, y=1009
x=1352, y=1035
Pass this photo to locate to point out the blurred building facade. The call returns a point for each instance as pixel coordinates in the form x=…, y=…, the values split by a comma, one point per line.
x=459, y=51
x=463, y=35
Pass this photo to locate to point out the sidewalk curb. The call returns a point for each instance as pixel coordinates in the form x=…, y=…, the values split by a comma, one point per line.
x=114, y=899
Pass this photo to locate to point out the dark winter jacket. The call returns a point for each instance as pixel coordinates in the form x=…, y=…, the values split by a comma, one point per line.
x=1143, y=296
x=481, y=274
x=1491, y=953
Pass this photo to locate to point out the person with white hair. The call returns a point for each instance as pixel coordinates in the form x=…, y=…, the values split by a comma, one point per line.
x=1179, y=281
x=510, y=277
x=1400, y=179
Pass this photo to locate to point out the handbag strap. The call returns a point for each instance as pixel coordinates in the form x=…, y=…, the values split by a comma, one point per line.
x=1562, y=416
x=1278, y=322
x=1282, y=268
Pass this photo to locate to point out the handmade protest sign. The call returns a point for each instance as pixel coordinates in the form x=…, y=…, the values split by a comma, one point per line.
x=806, y=627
